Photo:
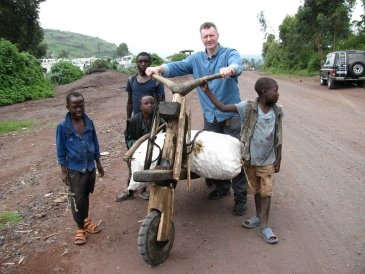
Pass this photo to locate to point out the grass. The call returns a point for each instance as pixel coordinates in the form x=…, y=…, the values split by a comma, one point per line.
x=15, y=125
x=9, y=218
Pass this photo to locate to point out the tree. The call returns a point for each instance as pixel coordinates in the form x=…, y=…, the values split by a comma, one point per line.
x=156, y=60
x=178, y=56
x=122, y=50
x=19, y=24
x=21, y=76
x=63, y=54
x=325, y=21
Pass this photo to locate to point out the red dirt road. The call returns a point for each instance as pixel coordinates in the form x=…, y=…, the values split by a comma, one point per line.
x=317, y=209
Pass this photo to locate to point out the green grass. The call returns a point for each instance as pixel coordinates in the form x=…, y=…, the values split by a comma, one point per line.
x=15, y=125
x=9, y=218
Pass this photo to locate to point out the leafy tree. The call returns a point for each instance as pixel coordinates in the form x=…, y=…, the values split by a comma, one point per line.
x=21, y=76
x=122, y=50
x=324, y=21
x=101, y=65
x=262, y=21
x=64, y=72
x=178, y=56
x=156, y=60
x=63, y=54
x=19, y=24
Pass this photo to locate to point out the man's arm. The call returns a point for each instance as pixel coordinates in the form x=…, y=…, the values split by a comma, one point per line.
x=215, y=101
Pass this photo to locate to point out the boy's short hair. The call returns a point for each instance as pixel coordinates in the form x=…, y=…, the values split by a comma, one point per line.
x=140, y=99
x=143, y=53
x=73, y=94
x=207, y=25
x=264, y=83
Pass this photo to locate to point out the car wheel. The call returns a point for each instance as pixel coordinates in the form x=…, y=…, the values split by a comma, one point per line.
x=322, y=81
x=357, y=69
x=331, y=83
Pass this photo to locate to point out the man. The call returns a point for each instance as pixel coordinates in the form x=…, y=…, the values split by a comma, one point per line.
x=227, y=62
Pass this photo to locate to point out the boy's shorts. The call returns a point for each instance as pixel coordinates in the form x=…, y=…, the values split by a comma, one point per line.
x=260, y=179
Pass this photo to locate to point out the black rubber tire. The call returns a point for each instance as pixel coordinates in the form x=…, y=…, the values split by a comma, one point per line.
x=357, y=69
x=330, y=83
x=152, y=251
x=322, y=81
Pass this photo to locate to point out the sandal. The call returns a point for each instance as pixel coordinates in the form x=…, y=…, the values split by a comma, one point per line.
x=80, y=237
x=269, y=236
x=90, y=227
x=252, y=222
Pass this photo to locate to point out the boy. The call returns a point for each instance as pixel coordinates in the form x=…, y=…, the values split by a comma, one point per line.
x=261, y=142
x=137, y=126
x=77, y=152
x=141, y=84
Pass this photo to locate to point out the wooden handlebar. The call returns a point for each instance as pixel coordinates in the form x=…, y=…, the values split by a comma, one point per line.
x=186, y=87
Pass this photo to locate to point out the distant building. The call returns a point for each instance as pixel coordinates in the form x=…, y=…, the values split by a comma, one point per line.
x=81, y=63
x=125, y=61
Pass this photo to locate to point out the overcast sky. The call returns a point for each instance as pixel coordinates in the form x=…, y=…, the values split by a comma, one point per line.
x=166, y=26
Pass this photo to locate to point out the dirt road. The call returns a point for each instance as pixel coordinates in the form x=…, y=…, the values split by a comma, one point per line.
x=317, y=209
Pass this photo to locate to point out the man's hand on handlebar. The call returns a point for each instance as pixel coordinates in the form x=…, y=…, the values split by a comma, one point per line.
x=227, y=72
x=154, y=70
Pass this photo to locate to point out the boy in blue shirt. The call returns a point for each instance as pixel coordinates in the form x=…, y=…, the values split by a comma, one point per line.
x=261, y=143
x=77, y=152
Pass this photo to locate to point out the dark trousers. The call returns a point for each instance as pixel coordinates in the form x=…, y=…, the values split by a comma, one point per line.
x=231, y=127
x=81, y=185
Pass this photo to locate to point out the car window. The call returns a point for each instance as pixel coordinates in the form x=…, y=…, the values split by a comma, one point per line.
x=353, y=57
x=330, y=59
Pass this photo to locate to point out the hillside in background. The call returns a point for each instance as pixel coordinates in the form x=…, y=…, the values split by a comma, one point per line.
x=77, y=45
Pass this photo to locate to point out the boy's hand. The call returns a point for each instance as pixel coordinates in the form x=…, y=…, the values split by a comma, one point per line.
x=277, y=165
x=65, y=178
x=100, y=170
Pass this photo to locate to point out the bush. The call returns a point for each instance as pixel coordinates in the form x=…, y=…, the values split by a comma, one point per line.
x=21, y=76
x=101, y=65
x=64, y=72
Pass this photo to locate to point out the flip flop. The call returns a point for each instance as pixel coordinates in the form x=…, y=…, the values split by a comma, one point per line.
x=252, y=222
x=269, y=236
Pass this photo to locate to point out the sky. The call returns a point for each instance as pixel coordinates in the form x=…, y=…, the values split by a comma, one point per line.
x=166, y=27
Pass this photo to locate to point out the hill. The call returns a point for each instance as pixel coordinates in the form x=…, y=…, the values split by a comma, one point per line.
x=77, y=45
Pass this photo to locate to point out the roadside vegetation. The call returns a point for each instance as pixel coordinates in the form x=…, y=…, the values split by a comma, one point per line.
x=8, y=218
x=64, y=72
x=21, y=76
x=15, y=125
x=304, y=39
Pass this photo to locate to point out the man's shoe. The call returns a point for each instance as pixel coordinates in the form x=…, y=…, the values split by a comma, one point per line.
x=124, y=196
x=239, y=208
x=216, y=194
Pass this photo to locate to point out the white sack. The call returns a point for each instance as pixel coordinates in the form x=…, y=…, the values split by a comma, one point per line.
x=215, y=156
x=137, y=162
